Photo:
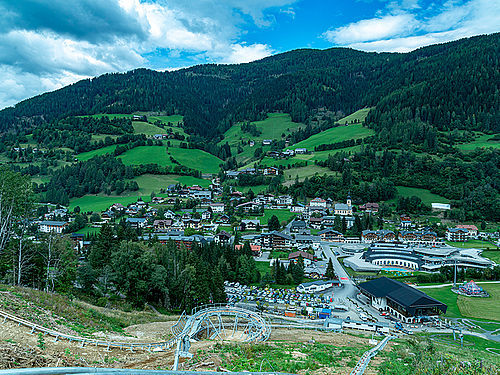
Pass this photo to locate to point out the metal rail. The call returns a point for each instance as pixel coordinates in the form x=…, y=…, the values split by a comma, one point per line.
x=114, y=371
x=360, y=367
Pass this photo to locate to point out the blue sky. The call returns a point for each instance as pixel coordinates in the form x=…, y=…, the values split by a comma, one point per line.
x=47, y=44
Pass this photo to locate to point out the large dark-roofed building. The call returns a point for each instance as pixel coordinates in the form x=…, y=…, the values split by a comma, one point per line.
x=403, y=301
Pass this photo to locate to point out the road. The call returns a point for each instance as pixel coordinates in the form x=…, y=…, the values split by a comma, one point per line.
x=348, y=289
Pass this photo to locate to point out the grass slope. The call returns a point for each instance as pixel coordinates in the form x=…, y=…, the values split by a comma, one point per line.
x=174, y=119
x=358, y=116
x=272, y=128
x=141, y=127
x=147, y=183
x=480, y=142
x=333, y=135
x=426, y=196
x=197, y=159
x=483, y=308
x=100, y=151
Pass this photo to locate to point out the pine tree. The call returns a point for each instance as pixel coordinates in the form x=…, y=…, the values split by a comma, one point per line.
x=330, y=271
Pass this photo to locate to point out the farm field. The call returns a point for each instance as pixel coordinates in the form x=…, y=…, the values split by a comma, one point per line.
x=100, y=151
x=192, y=158
x=333, y=135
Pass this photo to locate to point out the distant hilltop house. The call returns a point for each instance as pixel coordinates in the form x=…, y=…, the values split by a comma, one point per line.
x=267, y=142
x=137, y=222
x=301, y=150
x=440, y=206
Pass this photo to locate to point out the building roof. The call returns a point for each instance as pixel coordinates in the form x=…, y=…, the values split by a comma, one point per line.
x=342, y=206
x=54, y=223
x=299, y=253
x=329, y=231
x=468, y=227
x=401, y=293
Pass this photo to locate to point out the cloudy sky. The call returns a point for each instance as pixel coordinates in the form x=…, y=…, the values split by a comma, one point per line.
x=47, y=44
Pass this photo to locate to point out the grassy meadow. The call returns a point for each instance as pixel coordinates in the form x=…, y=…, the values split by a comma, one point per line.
x=333, y=135
x=470, y=307
x=480, y=142
x=98, y=203
x=424, y=194
x=272, y=128
x=193, y=158
x=358, y=116
x=100, y=151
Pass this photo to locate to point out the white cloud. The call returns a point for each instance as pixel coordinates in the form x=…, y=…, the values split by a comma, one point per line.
x=436, y=24
x=79, y=39
x=373, y=29
x=245, y=54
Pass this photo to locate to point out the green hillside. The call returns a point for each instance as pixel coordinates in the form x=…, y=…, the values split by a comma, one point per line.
x=192, y=158
x=272, y=127
x=100, y=151
x=333, y=135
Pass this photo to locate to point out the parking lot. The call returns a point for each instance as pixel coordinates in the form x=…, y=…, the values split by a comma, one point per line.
x=253, y=294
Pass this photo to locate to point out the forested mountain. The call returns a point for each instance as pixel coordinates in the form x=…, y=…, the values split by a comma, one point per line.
x=446, y=86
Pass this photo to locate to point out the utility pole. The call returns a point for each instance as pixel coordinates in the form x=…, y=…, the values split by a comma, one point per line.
x=455, y=275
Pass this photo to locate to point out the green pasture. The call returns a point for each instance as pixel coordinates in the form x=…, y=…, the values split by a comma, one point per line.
x=149, y=182
x=424, y=194
x=282, y=215
x=256, y=189
x=193, y=158
x=174, y=119
x=100, y=151
x=333, y=135
x=141, y=127
x=359, y=115
x=480, y=142
x=301, y=173
x=89, y=230
x=272, y=128
x=114, y=115
x=98, y=203
x=101, y=137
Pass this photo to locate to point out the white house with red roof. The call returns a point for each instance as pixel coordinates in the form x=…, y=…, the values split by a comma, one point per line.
x=318, y=202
